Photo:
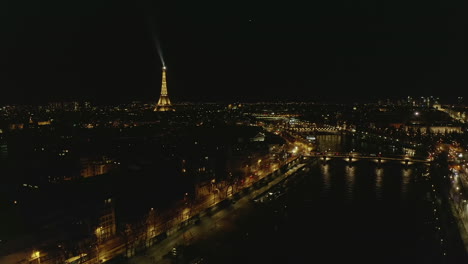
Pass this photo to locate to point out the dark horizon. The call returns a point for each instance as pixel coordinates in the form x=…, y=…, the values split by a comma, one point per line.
x=106, y=52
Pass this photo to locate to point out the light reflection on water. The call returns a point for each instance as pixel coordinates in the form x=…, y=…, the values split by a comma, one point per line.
x=325, y=173
x=350, y=175
x=384, y=174
x=360, y=203
x=406, y=175
x=334, y=143
x=365, y=178
x=379, y=174
x=339, y=143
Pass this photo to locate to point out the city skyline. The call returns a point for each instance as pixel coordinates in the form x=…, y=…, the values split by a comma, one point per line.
x=415, y=101
x=152, y=131
x=131, y=180
x=257, y=52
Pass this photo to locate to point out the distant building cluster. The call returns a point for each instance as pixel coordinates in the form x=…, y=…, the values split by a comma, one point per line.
x=94, y=166
x=59, y=149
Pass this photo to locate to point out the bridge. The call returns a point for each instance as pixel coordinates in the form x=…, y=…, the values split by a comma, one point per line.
x=327, y=130
x=350, y=157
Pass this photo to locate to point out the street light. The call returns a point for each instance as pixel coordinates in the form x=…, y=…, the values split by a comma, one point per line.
x=97, y=251
x=36, y=255
x=99, y=234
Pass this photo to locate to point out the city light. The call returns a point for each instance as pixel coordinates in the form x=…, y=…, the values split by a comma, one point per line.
x=210, y=163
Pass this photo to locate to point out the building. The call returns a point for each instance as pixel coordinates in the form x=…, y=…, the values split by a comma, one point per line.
x=91, y=168
x=106, y=222
x=434, y=128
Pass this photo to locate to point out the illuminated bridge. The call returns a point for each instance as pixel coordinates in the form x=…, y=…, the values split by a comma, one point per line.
x=351, y=157
x=332, y=130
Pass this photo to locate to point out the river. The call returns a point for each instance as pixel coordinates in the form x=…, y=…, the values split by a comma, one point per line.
x=338, y=212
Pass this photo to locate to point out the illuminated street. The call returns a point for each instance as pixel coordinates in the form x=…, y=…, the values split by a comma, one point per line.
x=211, y=225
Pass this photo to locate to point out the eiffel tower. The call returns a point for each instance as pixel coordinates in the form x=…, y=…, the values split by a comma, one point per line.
x=164, y=104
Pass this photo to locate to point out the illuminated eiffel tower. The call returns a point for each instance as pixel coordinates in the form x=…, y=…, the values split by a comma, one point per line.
x=164, y=104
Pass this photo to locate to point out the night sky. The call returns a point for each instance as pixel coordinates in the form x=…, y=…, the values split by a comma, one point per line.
x=105, y=51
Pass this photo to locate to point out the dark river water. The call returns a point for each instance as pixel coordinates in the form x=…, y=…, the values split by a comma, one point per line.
x=363, y=212
x=336, y=212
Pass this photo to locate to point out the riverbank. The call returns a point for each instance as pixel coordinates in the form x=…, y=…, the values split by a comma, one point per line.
x=211, y=223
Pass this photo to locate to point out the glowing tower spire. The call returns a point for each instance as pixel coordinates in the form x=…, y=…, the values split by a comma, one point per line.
x=164, y=104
